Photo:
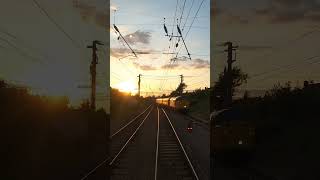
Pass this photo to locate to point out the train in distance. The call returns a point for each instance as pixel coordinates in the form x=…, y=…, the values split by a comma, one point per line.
x=179, y=103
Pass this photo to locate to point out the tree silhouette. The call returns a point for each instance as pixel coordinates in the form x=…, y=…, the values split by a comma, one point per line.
x=219, y=90
x=179, y=90
x=85, y=105
x=238, y=78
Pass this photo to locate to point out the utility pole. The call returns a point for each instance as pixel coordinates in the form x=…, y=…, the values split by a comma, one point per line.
x=230, y=60
x=181, y=79
x=93, y=72
x=139, y=81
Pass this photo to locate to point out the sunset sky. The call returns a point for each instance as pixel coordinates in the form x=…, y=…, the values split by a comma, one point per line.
x=46, y=51
x=141, y=23
x=277, y=39
x=35, y=52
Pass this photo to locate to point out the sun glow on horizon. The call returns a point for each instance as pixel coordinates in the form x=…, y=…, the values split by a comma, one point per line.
x=127, y=86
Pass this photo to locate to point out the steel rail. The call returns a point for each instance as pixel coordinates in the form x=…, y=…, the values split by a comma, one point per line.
x=127, y=142
x=157, y=148
x=130, y=122
x=184, y=152
x=108, y=158
x=94, y=169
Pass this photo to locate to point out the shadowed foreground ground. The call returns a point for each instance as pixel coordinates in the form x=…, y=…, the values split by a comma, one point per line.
x=45, y=139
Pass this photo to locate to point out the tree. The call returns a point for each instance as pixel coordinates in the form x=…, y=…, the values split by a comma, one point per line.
x=85, y=105
x=238, y=78
x=219, y=92
x=3, y=84
x=179, y=89
x=246, y=95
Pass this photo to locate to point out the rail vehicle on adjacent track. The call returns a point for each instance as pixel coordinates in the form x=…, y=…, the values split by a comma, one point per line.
x=179, y=103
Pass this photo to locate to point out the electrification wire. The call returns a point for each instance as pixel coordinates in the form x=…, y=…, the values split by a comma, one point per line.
x=174, y=20
x=284, y=44
x=125, y=66
x=7, y=33
x=117, y=76
x=162, y=76
x=56, y=24
x=116, y=28
x=287, y=67
x=184, y=25
x=15, y=38
x=165, y=72
x=20, y=51
x=290, y=42
x=184, y=3
x=197, y=77
x=124, y=12
x=145, y=24
x=186, y=35
x=197, y=83
x=282, y=67
x=287, y=70
x=168, y=68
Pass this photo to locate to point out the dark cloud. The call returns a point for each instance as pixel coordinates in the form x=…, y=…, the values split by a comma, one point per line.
x=226, y=15
x=287, y=3
x=199, y=64
x=121, y=52
x=144, y=51
x=313, y=15
x=286, y=11
x=167, y=66
x=232, y=18
x=144, y=67
x=91, y=13
x=193, y=64
x=138, y=37
x=254, y=47
x=275, y=11
x=182, y=58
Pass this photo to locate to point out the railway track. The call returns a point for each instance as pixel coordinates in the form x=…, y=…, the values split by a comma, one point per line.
x=118, y=139
x=172, y=162
x=196, y=141
x=148, y=147
x=137, y=149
